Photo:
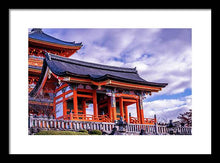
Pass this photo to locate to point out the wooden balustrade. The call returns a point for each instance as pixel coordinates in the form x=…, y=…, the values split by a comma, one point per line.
x=149, y=121
x=86, y=117
x=134, y=120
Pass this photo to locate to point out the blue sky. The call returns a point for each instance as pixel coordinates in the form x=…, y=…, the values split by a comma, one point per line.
x=160, y=55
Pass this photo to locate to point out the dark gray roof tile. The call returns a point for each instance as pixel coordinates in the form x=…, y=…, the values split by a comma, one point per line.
x=62, y=66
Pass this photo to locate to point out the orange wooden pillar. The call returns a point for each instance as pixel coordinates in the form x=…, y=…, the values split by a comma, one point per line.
x=84, y=106
x=139, y=105
x=113, y=113
x=121, y=107
x=75, y=104
x=95, y=107
x=138, y=111
x=109, y=109
x=64, y=108
x=126, y=113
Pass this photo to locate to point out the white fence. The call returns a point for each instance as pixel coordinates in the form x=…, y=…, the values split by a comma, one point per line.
x=45, y=123
x=50, y=124
x=150, y=129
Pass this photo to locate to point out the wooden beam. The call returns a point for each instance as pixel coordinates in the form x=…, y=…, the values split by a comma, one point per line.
x=40, y=103
x=129, y=100
x=85, y=90
x=136, y=86
x=86, y=96
x=111, y=83
x=61, y=87
x=126, y=95
x=129, y=103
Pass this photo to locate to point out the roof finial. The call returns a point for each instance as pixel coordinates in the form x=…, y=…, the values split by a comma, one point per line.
x=36, y=30
x=47, y=55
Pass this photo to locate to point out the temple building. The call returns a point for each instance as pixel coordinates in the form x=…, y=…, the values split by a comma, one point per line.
x=76, y=84
x=67, y=87
x=39, y=42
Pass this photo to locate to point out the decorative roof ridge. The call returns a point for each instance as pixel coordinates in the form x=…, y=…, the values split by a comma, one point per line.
x=39, y=30
x=68, y=42
x=89, y=64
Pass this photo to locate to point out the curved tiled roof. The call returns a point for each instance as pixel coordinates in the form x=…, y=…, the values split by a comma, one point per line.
x=66, y=67
x=38, y=34
x=62, y=66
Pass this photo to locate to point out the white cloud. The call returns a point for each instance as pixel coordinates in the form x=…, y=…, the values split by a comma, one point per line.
x=165, y=109
x=168, y=108
x=174, y=69
x=159, y=55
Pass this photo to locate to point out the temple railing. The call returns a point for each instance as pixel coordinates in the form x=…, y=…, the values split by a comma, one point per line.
x=149, y=129
x=164, y=130
x=45, y=123
x=86, y=117
x=134, y=120
x=149, y=121
x=155, y=129
x=60, y=124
